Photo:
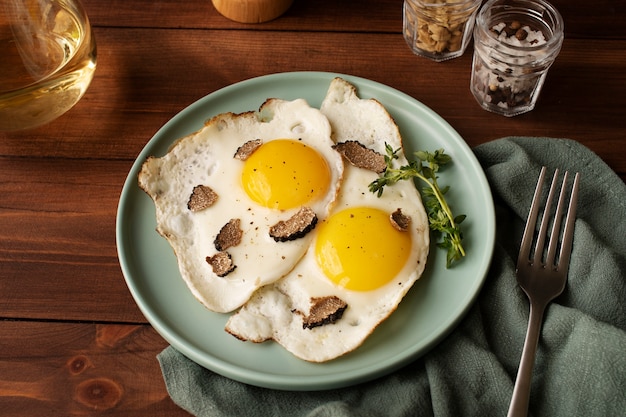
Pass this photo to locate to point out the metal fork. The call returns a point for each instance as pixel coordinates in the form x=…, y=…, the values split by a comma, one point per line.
x=542, y=275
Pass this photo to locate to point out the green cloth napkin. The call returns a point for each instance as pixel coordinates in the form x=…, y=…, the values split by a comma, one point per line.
x=580, y=369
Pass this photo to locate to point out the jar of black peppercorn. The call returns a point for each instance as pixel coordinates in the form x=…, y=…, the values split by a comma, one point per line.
x=515, y=43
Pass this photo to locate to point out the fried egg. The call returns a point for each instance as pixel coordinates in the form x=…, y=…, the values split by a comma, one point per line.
x=364, y=257
x=237, y=199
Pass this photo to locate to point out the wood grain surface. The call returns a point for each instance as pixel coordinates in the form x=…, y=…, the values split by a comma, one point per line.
x=72, y=340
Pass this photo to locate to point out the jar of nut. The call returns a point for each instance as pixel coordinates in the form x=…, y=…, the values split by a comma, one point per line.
x=515, y=43
x=439, y=29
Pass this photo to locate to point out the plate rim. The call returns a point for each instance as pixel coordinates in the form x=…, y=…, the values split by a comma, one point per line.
x=286, y=382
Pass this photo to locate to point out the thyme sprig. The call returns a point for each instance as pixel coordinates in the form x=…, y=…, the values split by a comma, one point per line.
x=440, y=217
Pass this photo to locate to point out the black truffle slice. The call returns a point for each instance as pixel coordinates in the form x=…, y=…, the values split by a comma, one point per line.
x=230, y=235
x=202, y=197
x=295, y=227
x=362, y=157
x=324, y=310
x=247, y=149
x=221, y=263
x=400, y=221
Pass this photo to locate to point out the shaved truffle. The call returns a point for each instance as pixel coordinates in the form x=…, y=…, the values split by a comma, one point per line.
x=295, y=227
x=400, y=221
x=222, y=263
x=230, y=235
x=360, y=156
x=201, y=197
x=324, y=310
x=247, y=149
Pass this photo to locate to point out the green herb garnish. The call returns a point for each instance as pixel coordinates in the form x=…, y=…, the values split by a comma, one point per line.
x=440, y=217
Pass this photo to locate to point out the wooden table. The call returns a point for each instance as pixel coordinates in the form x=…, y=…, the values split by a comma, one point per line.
x=72, y=340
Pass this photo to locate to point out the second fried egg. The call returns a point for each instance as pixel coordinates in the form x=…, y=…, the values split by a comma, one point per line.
x=364, y=258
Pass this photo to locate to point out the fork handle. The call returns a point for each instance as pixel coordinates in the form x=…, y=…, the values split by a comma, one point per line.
x=521, y=392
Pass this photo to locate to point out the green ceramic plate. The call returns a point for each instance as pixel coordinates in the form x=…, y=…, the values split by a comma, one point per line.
x=432, y=308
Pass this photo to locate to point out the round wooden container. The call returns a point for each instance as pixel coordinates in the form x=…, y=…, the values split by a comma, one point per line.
x=252, y=11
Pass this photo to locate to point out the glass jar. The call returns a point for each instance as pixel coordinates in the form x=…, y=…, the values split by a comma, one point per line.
x=439, y=29
x=47, y=60
x=515, y=43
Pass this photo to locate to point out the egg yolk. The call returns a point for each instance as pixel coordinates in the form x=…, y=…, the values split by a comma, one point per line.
x=359, y=249
x=284, y=174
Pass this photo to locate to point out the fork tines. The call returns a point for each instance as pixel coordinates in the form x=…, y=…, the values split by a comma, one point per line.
x=558, y=234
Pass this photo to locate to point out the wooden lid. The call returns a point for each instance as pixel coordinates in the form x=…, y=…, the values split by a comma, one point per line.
x=252, y=11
